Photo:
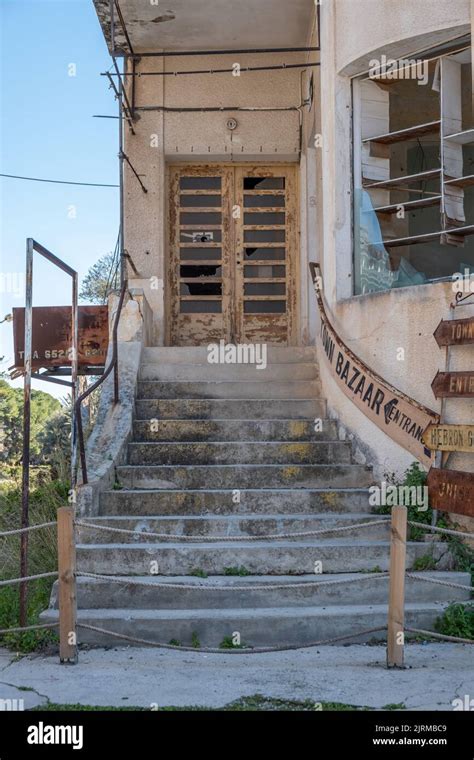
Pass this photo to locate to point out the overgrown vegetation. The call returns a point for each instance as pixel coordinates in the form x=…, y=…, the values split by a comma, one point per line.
x=198, y=572
x=462, y=554
x=414, y=477
x=457, y=620
x=253, y=703
x=101, y=278
x=237, y=570
x=228, y=643
x=45, y=498
x=426, y=562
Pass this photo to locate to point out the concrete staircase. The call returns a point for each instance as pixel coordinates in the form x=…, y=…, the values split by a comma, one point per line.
x=229, y=450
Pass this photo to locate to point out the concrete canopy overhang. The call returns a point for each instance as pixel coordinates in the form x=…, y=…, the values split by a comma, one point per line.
x=179, y=25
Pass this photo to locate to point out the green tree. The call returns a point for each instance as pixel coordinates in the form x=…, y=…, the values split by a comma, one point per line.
x=55, y=442
x=100, y=280
x=43, y=408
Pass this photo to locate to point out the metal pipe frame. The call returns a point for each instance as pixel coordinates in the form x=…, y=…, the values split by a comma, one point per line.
x=248, y=69
x=112, y=366
x=251, y=51
x=31, y=247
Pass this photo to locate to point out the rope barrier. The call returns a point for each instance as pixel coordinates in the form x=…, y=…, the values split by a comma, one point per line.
x=217, y=650
x=448, y=532
x=28, y=628
x=449, y=584
x=12, y=581
x=440, y=636
x=277, y=536
x=25, y=530
x=256, y=587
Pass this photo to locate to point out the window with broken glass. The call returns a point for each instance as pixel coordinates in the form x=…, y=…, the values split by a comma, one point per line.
x=414, y=170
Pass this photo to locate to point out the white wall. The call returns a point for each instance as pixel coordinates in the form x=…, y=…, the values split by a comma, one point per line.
x=376, y=325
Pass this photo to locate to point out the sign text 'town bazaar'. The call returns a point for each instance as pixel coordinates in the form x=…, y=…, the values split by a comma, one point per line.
x=400, y=417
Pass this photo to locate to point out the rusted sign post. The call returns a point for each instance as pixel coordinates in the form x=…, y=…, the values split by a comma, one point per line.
x=451, y=491
x=52, y=338
x=31, y=247
x=396, y=601
x=450, y=438
x=455, y=332
x=453, y=385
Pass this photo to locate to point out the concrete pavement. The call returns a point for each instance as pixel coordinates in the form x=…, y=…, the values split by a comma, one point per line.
x=354, y=675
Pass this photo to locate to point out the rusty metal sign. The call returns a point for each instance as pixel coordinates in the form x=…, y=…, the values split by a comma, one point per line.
x=400, y=417
x=453, y=385
x=52, y=337
x=450, y=438
x=455, y=332
x=451, y=491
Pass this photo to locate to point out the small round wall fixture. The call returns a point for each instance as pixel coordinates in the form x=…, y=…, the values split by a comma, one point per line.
x=232, y=124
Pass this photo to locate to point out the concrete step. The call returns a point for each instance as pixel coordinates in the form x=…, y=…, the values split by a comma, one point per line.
x=257, y=627
x=224, y=502
x=247, y=389
x=228, y=372
x=232, y=409
x=245, y=476
x=286, y=557
x=233, y=430
x=301, y=452
x=159, y=592
x=229, y=525
x=199, y=354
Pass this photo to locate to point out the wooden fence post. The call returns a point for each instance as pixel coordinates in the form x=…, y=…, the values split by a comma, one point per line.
x=67, y=585
x=396, y=601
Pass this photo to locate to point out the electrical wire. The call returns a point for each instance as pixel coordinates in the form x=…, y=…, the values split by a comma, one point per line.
x=57, y=181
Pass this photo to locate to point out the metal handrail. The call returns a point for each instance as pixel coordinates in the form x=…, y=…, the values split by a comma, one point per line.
x=112, y=366
x=32, y=246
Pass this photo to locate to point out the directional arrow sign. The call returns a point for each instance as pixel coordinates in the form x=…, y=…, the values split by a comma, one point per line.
x=451, y=491
x=455, y=332
x=453, y=385
x=450, y=438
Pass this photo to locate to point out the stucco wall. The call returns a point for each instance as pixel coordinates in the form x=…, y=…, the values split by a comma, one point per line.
x=376, y=326
x=394, y=28
x=169, y=137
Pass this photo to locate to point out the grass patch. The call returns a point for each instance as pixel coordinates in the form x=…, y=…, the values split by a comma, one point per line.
x=228, y=643
x=254, y=703
x=426, y=562
x=457, y=620
x=237, y=570
x=198, y=572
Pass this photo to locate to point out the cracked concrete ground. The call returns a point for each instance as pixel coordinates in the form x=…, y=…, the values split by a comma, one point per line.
x=355, y=675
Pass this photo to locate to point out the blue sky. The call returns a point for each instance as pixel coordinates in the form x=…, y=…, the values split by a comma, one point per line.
x=47, y=130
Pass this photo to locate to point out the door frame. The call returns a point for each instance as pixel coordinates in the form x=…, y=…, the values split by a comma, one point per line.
x=293, y=222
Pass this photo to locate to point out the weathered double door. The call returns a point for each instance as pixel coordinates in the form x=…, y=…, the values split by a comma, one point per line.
x=233, y=255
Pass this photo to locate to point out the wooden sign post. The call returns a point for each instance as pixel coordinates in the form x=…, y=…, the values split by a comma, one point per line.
x=454, y=332
x=396, y=601
x=450, y=438
x=453, y=385
x=67, y=586
x=451, y=491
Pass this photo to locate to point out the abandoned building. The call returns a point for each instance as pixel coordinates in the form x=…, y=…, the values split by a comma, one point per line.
x=257, y=138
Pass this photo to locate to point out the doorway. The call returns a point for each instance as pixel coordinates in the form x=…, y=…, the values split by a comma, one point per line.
x=233, y=254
